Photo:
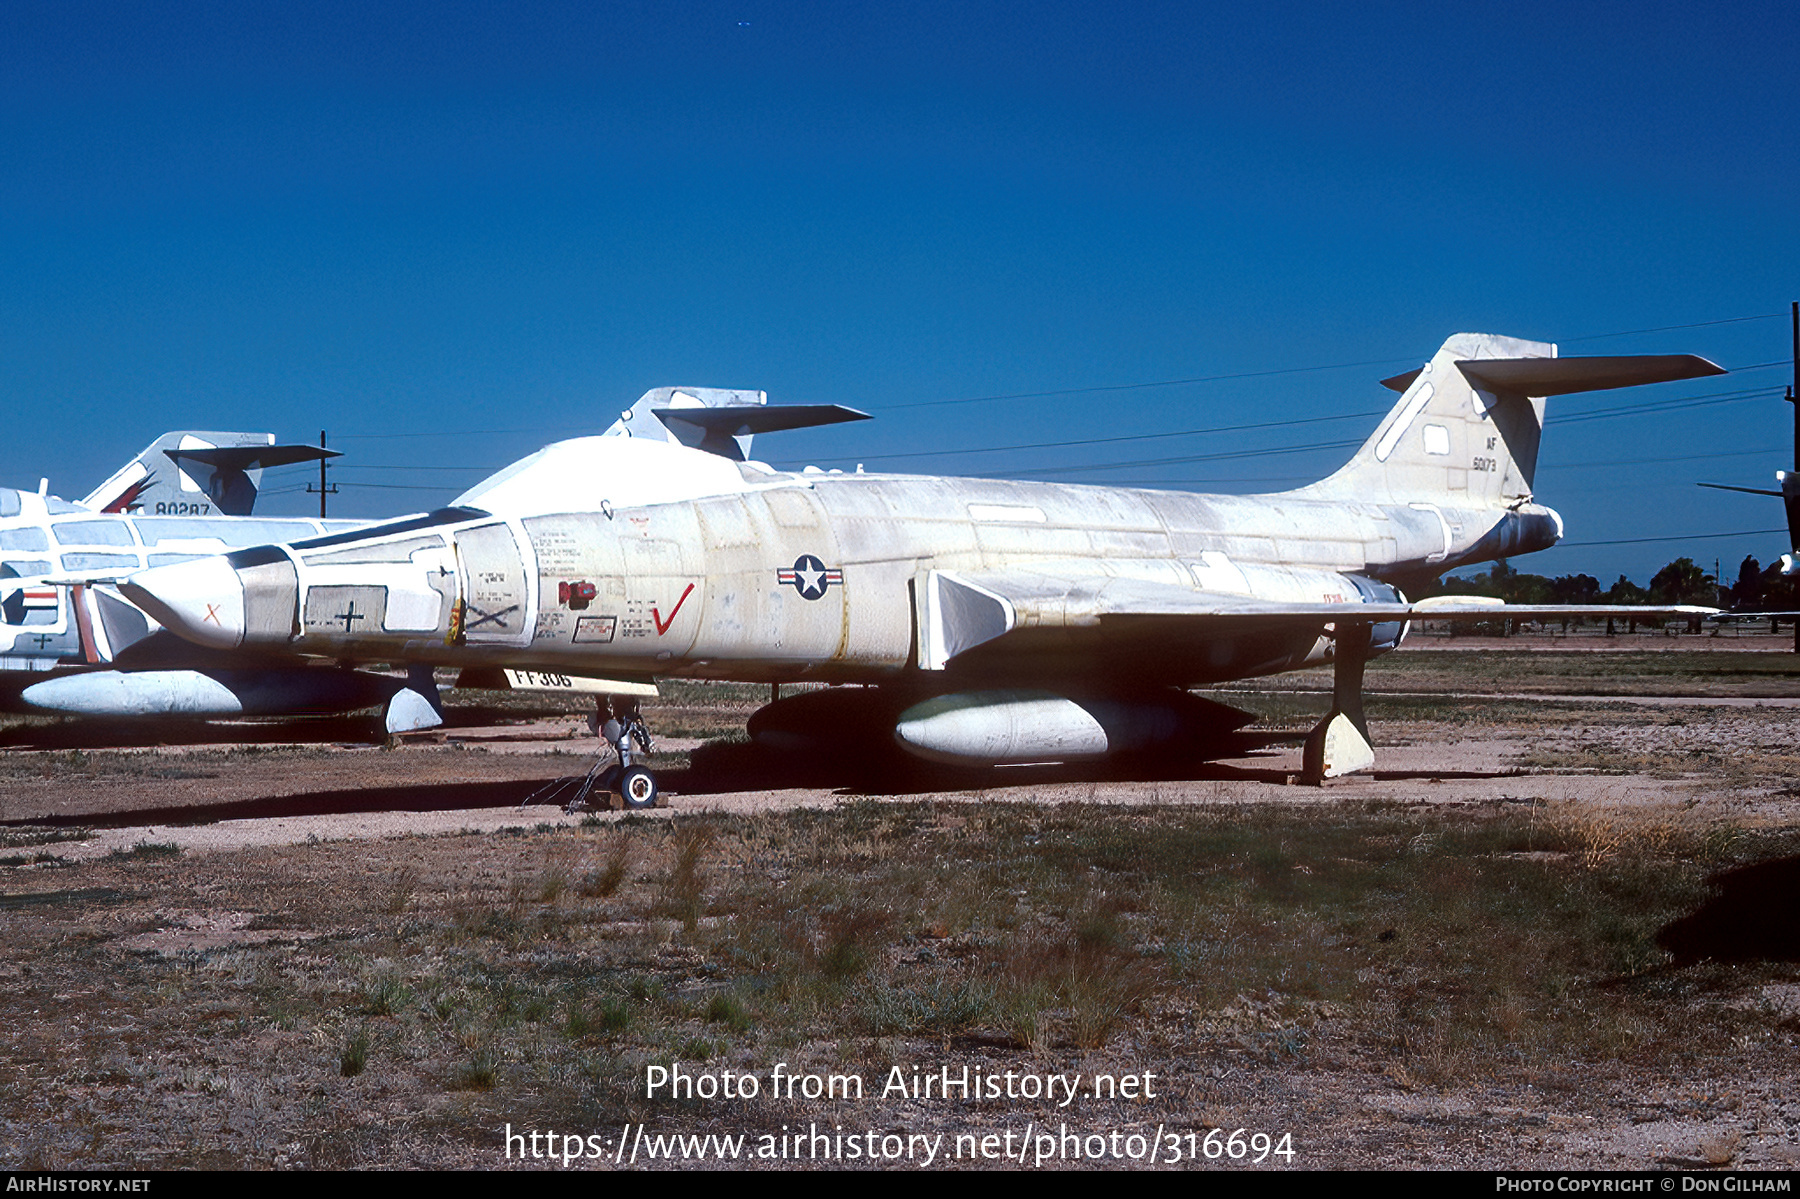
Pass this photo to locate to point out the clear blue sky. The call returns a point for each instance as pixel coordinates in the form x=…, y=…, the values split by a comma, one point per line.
x=500, y=223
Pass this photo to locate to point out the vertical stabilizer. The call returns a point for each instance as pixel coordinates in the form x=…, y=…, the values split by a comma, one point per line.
x=189, y=473
x=1467, y=427
x=1450, y=439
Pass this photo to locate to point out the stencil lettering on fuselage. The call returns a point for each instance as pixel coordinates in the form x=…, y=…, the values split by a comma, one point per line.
x=595, y=630
x=493, y=578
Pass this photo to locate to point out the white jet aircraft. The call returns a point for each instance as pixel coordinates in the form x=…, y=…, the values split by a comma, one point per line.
x=994, y=622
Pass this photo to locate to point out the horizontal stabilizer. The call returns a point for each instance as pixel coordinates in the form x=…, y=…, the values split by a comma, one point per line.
x=1564, y=376
x=719, y=420
x=1466, y=429
x=254, y=457
x=712, y=429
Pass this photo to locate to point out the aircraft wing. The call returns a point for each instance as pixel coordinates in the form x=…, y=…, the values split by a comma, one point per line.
x=963, y=612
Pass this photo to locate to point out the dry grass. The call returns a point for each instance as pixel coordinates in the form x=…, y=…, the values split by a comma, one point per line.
x=1250, y=954
x=473, y=979
x=395, y=1003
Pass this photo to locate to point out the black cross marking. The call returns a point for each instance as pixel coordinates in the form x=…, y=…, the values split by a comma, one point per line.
x=488, y=617
x=348, y=617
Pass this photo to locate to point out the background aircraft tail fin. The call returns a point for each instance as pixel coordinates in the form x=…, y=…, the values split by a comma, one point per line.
x=1467, y=426
x=187, y=473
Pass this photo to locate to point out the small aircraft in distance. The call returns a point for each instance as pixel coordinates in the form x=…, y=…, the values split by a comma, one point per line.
x=989, y=622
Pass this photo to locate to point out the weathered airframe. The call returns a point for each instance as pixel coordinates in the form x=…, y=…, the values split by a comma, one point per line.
x=1001, y=622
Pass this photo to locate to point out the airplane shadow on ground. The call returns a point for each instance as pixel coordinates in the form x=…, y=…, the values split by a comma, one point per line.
x=439, y=797
x=357, y=728
x=57, y=734
x=716, y=768
x=1750, y=918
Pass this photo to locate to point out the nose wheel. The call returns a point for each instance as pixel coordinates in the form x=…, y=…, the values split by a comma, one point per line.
x=637, y=787
x=621, y=725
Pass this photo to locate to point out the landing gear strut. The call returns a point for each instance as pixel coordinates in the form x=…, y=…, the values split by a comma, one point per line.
x=1339, y=744
x=623, y=725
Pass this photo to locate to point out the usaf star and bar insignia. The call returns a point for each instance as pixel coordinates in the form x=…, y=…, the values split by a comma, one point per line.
x=810, y=577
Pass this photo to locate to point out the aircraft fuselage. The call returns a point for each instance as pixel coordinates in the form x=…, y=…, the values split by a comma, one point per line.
x=822, y=577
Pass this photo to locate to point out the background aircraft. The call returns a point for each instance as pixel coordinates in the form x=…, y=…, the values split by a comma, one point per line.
x=69, y=642
x=998, y=622
x=189, y=494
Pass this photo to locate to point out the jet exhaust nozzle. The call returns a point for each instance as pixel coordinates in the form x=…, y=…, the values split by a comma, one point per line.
x=223, y=602
x=201, y=601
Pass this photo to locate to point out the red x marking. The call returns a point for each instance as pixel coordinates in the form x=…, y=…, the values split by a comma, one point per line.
x=212, y=614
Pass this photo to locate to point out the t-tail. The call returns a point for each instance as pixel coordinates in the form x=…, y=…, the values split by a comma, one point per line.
x=720, y=420
x=1466, y=430
x=188, y=473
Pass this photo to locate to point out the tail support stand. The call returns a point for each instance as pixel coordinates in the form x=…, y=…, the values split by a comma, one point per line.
x=415, y=706
x=1339, y=744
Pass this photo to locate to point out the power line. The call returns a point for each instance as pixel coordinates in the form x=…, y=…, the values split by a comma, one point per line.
x=465, y=432
x=1054, y=445
x=1293, y=370
x=1229, y=454
x=377, y=486
x=1730, y=320
x=1700, y=401
x=1678, y=537
x=1074, y=391
x=1654, y=406
x=1601, y=414
x=1099, y=389
x=1652, y=461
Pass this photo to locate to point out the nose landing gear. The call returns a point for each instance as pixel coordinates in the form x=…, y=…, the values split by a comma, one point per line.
x=623, y=725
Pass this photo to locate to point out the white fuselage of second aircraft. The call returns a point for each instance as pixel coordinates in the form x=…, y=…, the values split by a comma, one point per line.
x=42, y=536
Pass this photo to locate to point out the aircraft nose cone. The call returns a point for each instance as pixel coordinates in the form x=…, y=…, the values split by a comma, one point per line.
x=202, y=600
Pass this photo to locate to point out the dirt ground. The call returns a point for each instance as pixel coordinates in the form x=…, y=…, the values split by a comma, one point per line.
x=146, y=871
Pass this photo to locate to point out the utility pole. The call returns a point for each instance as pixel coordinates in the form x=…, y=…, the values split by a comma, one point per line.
x=323, y=490
x=1796, y=383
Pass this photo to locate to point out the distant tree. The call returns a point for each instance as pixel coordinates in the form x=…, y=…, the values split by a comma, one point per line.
x=1490, y=582
x=1682, y=582
x=1626, y=592
x=1529, y=589
x=1747, y=592
x=1503, y=582
x=1575, y=589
